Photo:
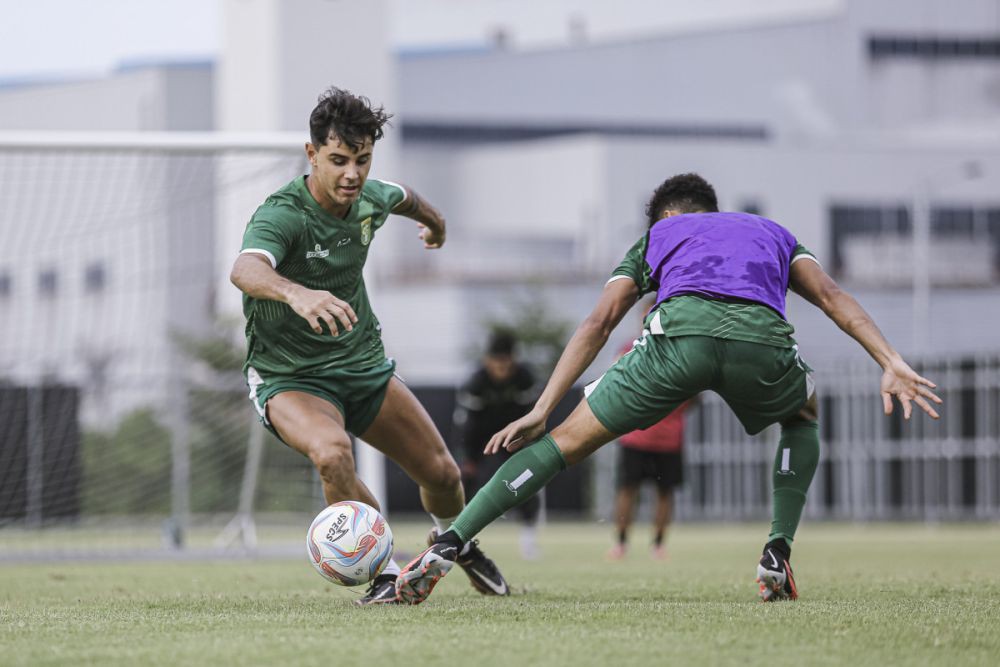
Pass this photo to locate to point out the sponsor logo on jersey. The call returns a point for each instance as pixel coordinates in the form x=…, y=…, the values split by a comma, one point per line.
x=344, y=241
x=366, y=231
x=318, y=252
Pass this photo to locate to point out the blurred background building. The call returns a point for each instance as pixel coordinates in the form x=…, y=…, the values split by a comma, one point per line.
x=541, y=132
x=871, y=130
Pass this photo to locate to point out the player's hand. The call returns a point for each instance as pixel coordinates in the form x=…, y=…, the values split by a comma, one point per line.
x=901, y=381
x=518, y=433
x=317, y=306
x=431, y=238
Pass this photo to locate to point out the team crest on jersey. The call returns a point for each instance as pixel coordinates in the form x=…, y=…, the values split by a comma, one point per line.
x=318, y=252
x=366, y=231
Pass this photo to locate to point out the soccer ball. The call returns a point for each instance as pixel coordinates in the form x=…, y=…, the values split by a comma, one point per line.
x=349, y=543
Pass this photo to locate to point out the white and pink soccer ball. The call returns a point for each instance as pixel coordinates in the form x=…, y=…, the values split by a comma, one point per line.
x=349, y=543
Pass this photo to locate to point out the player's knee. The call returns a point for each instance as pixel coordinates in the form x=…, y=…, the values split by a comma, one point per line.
x=445, y=476
x=332, y=459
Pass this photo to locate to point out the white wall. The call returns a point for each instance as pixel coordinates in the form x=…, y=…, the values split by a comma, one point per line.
x=549, y=185
x=801, y=72
x=167, y=97
x=278, y=55
x=542, y=196
x=528, y=24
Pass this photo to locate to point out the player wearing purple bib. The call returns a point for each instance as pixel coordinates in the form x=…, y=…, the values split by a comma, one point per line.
x=721, y=255
x=719, y=325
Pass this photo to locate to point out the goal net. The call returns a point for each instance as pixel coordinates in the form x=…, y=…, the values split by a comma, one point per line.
x=124, y=423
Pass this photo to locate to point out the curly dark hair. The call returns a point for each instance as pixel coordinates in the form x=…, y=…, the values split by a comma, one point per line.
x=501, y=344
x=686, y=193
x=350, y=117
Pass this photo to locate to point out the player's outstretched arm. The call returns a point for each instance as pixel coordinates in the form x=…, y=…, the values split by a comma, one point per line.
x=255, y=276
x=588, y=339
x=429, y=219
x=811, y=282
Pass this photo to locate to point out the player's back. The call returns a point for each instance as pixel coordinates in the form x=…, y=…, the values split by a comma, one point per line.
x=721, y=255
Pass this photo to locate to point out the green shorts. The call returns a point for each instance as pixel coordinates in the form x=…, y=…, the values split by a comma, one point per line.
x=356, y=393
x=762, y=384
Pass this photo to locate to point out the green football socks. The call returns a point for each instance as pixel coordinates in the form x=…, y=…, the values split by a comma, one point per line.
x=794, y=466
x=522, y=476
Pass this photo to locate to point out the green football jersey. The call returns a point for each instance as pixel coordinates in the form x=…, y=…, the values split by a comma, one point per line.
x=307, y=245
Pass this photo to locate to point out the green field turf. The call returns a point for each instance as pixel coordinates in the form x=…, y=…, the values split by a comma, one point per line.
x=871, y=595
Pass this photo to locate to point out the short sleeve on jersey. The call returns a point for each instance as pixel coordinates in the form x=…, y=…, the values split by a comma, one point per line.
x=634, y=266
x=388, y=194
x=271, y=236
x=801, y=252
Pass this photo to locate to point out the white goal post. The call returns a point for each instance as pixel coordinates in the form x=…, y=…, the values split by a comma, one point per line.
x=119, y=326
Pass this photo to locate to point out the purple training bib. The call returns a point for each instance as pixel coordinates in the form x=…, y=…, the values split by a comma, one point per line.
x=719, y=255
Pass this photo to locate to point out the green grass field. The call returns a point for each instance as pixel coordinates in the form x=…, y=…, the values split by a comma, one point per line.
x=871, y=595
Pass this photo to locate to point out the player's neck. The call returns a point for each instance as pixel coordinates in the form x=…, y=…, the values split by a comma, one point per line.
x=324, y=201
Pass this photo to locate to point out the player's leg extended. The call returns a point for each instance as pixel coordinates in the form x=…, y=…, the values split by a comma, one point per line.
x=404, y=432
x=529, y=512
x=530, y=469
x=582, y=433
x=315, y=427
x=523, y=475
x=794, y=466
x=766, y=385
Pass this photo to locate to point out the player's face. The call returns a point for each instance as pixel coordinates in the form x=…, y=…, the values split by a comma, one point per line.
x=499, y=367
x=338, y=172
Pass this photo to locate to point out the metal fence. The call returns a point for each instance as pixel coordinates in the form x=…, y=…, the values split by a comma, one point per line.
x=872, y=467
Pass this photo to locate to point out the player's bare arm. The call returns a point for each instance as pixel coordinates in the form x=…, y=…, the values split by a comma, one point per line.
x=812, y=283
x=588, y=339
x=429, y=219
x=255, y=276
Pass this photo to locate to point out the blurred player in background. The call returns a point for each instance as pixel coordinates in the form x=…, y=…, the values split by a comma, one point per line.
x=315, y=364
x=719, y=324
x=501, y=390
x=655, y=454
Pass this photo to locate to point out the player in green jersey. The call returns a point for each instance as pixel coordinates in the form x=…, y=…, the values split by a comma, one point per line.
x=719, y=324
x=315, y=364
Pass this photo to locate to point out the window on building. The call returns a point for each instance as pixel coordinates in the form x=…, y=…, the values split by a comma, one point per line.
x=48, y=282
x=965, y=243
x=881, y=47
x=848, y=221
x=94, y=278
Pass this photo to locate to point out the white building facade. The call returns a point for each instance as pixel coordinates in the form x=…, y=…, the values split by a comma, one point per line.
x=836, y=122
